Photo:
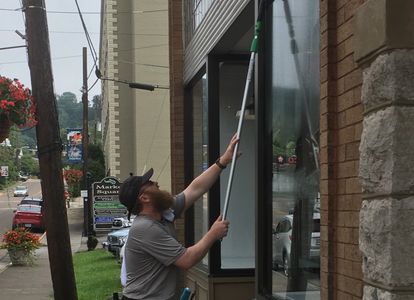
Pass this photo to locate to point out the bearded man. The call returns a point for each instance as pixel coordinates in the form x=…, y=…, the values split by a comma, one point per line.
x=152, y=253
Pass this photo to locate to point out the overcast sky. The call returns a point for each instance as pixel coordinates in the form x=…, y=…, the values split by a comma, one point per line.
x=66, y=41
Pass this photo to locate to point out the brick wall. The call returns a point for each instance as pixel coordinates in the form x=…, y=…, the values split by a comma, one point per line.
x=176, y=102
x=341, y=127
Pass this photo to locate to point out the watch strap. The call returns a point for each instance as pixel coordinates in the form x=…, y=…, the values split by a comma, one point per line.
x=221, y=166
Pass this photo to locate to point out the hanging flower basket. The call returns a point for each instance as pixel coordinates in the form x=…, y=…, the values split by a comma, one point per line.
x=4, y=129
x=17, y=106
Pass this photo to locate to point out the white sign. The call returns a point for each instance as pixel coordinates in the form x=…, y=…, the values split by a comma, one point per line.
x=84, y=193
x=4, y=171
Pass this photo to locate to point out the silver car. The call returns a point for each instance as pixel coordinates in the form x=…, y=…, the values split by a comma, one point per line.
x=20, y=191
x=282, y=242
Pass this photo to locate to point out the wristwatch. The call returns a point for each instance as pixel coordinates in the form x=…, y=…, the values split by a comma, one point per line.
x=221, y=166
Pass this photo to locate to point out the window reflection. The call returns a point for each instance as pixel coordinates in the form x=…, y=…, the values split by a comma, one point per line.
x=200, y=150
x=294, y=92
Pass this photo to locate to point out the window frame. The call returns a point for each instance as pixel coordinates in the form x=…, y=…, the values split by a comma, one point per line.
x=264, y=219
x=210, y=67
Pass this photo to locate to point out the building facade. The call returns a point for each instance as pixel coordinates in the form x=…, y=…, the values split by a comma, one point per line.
x=322, y=194
x=135, y=123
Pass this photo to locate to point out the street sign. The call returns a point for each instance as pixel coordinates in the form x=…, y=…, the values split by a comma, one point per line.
x=4, y=171
x=106, y=205
x=84, y=193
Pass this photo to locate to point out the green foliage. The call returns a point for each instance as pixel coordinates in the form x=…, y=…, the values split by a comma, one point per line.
x=92, y=243
x=97, y=274
x=96, y=163
x=29, y=165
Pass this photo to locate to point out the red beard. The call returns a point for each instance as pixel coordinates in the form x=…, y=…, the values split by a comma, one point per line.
x=161, y=200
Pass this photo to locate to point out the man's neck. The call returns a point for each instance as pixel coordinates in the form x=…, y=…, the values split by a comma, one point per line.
x=151, y=213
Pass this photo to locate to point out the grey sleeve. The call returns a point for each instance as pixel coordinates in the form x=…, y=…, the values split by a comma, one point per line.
x=161, y=245
x=179, y=205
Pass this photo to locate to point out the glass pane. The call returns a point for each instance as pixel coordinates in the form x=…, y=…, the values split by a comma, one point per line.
x=294, y=91
x=238, y=248
x=200, y=150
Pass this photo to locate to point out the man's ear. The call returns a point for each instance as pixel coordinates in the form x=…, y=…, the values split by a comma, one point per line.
x=143, y=198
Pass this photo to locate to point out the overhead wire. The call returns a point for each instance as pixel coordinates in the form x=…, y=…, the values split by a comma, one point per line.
x=81, y=32
x=56, y=58
x=89, y=12
x=89, y=40
x=155, y=131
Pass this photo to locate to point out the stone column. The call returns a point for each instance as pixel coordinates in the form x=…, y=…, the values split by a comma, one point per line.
x=384, y=48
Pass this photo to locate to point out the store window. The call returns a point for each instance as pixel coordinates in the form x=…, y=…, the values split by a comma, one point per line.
x=292, y=88
x=200, y=154
x=238, y=248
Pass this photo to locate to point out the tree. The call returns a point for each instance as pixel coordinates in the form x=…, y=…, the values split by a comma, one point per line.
x=97, y=107
x=29, y=165
x=96, y=162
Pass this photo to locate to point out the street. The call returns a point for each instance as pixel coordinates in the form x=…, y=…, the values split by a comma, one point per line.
x=8, y=203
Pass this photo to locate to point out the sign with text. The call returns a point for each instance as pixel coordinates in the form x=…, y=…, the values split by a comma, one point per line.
x=4, y=171
x=106, y=205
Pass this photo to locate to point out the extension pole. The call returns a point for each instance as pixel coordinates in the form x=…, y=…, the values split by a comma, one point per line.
x=253, y=50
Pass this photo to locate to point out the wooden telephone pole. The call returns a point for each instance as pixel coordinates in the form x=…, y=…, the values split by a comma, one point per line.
x=49, y=151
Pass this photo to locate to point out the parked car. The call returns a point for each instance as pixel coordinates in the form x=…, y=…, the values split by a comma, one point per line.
x=282, y=242
x=23, y=177
x=32, y=201
x=121, y=222
x=115, y=240
x=29, y=216
x=20, y=191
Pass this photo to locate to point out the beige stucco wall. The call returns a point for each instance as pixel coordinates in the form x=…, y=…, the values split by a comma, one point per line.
x=136, y=124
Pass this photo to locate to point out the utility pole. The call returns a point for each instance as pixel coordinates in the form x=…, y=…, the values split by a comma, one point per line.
x=85, y=138
x=49, y=151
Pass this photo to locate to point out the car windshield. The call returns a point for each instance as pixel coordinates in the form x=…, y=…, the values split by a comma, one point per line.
x=34, y=201
x=29, y=208
x=20, y=188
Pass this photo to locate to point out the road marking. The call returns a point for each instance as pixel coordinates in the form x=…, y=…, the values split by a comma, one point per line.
x=43, y=235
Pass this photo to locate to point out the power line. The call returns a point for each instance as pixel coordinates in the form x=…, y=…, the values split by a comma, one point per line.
x=141, y=64
x=88, y=38
x=143, y=47
x=90, y=12
x=55, y=58
x=81, y=32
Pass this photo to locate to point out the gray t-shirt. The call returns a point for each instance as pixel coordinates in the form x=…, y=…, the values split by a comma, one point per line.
x=150, y=253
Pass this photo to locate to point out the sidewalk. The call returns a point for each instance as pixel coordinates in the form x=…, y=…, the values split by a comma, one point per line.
x=35, y=283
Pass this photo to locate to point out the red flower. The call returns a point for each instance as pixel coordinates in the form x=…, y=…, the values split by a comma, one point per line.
x=17, y=103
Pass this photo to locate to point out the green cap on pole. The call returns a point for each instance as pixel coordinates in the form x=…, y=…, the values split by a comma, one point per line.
x=253, y=47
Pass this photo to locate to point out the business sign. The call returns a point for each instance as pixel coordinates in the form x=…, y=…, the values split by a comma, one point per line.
x=4, y=171
x=74, y=145
x=106, y=205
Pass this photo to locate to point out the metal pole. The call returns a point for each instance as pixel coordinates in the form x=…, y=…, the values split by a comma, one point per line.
x=239, y=128
x=253, y=51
